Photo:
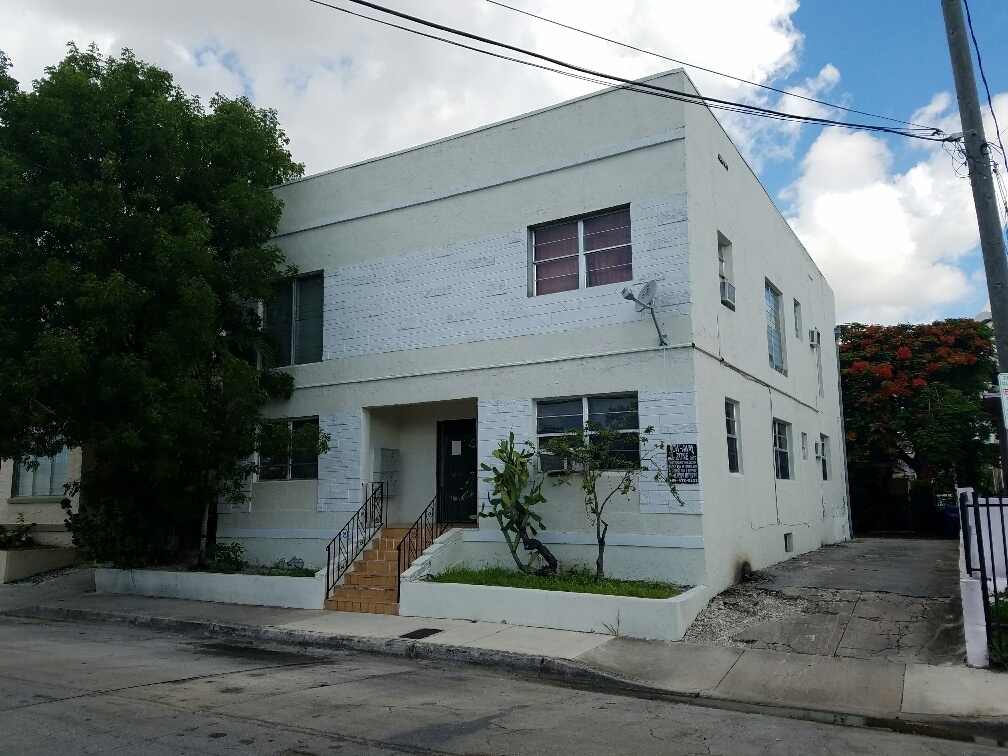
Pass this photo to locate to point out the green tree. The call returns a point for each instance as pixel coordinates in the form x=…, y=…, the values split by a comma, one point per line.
x=134, y=248
x=515, y=495
x=911, y=393
x=608, y=462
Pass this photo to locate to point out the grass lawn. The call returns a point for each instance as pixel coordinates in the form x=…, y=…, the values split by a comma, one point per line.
x=572, y=581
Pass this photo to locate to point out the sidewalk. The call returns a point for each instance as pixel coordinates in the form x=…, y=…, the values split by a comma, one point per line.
x=954, y=702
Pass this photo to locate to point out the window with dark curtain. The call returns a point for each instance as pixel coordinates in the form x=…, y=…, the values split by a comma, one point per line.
x=555, y=254
x=590, y=251
x=607, y=248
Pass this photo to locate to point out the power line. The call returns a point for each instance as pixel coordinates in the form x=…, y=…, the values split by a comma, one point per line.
x=701, y=68
x=639, y=86
x=983, y=77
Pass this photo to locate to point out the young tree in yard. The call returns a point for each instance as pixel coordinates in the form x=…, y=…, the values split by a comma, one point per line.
x=134, y=248
x=516, y=493
x=608, y=462
x=912, y=393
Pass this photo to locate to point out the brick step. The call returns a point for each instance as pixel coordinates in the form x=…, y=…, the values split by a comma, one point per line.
x=368, y=607
x=379, y=554
x=364, y=593
x=375, y=567
x=371, y=580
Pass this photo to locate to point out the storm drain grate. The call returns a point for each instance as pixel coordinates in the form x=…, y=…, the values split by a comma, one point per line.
x=423, y=632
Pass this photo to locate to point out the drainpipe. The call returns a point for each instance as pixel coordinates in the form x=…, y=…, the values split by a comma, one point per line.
x=843, y=433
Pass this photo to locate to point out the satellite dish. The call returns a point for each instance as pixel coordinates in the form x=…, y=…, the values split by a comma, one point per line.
x=646, y=296
x=645, y=301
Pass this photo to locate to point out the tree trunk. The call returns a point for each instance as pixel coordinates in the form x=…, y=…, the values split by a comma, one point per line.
x=203, y=532
x=601, y=528
x=534, y=544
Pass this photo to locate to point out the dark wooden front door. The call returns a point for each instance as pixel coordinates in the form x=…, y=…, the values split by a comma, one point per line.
x=456, y=478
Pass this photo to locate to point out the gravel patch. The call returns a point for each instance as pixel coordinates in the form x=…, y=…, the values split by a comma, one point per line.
x=43, y=577
x=742, y=606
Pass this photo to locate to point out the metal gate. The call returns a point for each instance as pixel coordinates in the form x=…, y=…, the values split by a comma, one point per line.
x=985, y=551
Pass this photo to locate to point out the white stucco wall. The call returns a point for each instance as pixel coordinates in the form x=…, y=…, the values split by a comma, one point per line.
x=426, y=261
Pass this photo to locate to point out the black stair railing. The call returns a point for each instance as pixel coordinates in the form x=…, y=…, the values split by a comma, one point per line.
x=355, y=535
x=419, y=537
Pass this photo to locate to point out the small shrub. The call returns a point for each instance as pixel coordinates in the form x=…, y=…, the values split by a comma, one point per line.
x=16, y=536
x=999, y=625
x=227, y=557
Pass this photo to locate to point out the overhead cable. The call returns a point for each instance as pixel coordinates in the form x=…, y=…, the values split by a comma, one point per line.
x=983, y=77
x=785, y=92
x=621, y=82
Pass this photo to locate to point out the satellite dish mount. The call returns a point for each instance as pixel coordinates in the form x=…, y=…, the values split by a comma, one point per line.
x=644, y=300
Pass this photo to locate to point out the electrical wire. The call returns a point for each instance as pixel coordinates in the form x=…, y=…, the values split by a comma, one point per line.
x=983, y=77
x=702, y=68
x=620, y=82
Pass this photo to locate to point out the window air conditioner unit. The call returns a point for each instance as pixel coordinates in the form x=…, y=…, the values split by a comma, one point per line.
x=814, y=338
x=727, y=294
x=550, y=462
x=818, y=451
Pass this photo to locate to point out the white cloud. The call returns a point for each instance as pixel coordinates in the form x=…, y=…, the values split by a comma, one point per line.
x=348, y=89
x=892, y=245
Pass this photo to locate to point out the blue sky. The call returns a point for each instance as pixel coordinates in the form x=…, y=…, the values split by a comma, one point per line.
x=886, y=219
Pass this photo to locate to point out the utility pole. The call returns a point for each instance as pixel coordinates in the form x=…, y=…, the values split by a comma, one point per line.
x=979, y=164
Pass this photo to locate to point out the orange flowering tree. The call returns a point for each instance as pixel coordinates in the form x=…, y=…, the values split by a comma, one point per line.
x=912, y=393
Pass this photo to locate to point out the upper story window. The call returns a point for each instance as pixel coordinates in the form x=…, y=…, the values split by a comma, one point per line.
x=782, y=449
x=775, y=329
x=619, y=413
x=823, y=454
x=731, y=411
x=47, y=479
x=301, y=465
x=725, y=273
x=576, y=254
x=294, y=319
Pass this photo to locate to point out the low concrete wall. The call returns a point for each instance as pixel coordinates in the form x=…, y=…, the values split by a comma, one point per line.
x=21, y=563
x=258, y=590
x=655, y=619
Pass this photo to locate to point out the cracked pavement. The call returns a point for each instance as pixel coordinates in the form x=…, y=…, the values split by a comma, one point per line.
x=894, y=600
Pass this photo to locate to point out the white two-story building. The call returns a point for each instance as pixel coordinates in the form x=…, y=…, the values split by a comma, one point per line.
x=464, y=289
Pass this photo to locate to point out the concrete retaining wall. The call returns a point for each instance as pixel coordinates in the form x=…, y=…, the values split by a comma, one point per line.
x=22, y=563
x=258, y=590
x=656, y=619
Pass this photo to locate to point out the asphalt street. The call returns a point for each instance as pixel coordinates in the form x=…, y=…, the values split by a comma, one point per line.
x=80, y=689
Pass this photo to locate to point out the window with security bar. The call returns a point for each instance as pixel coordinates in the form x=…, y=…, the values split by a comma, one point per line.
x=590, y=251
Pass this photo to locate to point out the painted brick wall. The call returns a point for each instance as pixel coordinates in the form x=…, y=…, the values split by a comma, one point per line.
x=339, y=485
x=673, y=413
x=478, y=290
x=497, y=419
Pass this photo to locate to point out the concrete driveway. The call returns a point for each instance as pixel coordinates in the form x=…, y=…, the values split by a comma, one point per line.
x=872, y=598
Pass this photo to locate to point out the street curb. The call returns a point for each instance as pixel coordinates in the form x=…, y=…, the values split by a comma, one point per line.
x=574, y=674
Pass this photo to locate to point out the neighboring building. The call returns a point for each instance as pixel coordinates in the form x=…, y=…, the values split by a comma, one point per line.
x=471, y=287
x=37, y=494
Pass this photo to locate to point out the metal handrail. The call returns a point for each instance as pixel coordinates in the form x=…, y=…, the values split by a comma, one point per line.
x=419, y=537
x=355, y=535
